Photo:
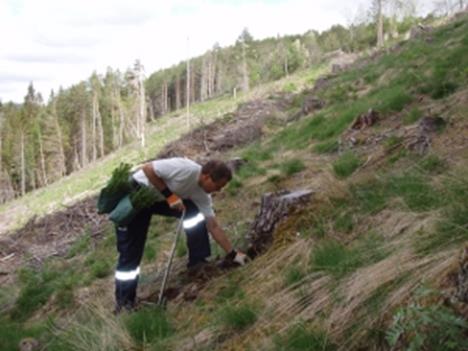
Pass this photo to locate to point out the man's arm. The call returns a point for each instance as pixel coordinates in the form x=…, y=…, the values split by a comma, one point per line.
x=218, y=234
x=172, y=199
x=156, y=181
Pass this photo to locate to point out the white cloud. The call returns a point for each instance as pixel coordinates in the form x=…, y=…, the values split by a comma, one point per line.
x=58, y=43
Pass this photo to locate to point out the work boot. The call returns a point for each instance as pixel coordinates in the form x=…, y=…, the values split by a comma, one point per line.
x=125, y=308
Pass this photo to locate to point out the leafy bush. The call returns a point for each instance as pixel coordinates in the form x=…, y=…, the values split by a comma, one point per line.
x=434, y=327
x=346, y=165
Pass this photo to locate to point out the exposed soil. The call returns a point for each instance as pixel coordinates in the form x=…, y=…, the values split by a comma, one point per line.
x=239, y=128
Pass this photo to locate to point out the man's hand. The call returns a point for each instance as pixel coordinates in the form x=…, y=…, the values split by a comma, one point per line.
x=175, y=202
x=238, y=257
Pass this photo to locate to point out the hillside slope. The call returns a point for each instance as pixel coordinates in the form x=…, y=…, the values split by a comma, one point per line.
x=370, y=263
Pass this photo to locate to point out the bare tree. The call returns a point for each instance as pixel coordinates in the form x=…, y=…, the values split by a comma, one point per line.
x=187, y=94
x=379, y=20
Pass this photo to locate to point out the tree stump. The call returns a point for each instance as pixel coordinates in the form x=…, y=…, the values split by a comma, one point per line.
x=275, y=207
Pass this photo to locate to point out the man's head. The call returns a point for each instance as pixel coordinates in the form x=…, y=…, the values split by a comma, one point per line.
x=214, y=176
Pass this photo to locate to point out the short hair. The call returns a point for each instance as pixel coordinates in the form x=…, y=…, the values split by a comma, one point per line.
x=217, y=170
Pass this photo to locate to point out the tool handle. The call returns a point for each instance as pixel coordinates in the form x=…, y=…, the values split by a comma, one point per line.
x=169, y=264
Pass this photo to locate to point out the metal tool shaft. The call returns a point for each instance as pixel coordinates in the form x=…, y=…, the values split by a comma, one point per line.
x=169, y=264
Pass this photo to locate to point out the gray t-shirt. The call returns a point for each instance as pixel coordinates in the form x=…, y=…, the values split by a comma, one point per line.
x=181, y=177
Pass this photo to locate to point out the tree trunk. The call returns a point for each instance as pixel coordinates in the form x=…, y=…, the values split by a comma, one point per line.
x=219, y=79
x=1, y=138
x=22, y=164
x=177, y=93
x=245, y=72
x=203, y=80
x=84, y=156
x=275, y=207
x=380, y=34
x=93, y=129
x=62, y=162
x=42, y=162
x=142, y=109
x=187, y=94
x=121, y=122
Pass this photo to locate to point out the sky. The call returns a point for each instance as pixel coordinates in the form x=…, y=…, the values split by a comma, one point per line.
x=55, y=43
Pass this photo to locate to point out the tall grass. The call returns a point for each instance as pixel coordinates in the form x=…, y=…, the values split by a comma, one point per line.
x=346, y=164
x=300, y=338
x=237, y=318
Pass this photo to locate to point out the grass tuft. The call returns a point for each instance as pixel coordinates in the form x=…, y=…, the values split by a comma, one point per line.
x=148, y=325
x=237, y=317
x=299, y=338
x=346, y=165
x=292, y=166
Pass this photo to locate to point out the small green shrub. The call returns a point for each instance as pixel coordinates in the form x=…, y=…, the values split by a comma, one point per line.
x=300, y=338
x=346, y=165
x=237, y=317
x=148, y=325
x=292, y=166
x=434, y=327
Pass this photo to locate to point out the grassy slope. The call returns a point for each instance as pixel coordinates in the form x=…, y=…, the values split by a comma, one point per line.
x=384, y=223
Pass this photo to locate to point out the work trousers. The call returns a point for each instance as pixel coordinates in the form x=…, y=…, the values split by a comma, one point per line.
x=131, y=242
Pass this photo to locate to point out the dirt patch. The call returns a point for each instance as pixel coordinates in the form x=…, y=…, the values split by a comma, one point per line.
x=51, y=235
x=237, y=129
